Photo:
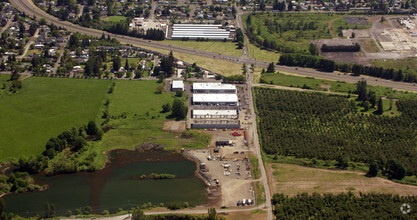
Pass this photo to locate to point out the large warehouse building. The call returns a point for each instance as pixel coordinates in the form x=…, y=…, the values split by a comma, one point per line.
x=215, y=99
x=214, y=114
x=194, y=31
x=213, y=88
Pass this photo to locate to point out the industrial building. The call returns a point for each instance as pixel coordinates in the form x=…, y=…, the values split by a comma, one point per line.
x=194, y=31
x=213, y=88
x=177, y=85
x=215, y=99
x=215, y=114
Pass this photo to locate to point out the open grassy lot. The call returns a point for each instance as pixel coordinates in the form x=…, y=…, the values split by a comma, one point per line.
x=293, y=179
x=262, y=54
x=143, y=123
x=228, y=48
x=4, y=77
x=408, y=65
x=369, y=46
x=223, y=67
x=340, y=24
x=115, y=18
x=288, y=32
x=323, y=85
x=44, y=108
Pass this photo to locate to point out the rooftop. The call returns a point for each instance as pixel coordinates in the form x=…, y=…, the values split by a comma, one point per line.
x=177, y=84
x=215, y=98
x=215, y=112
x=213, y=86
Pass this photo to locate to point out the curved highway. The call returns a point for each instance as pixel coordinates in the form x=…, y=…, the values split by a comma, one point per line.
x=30, y=9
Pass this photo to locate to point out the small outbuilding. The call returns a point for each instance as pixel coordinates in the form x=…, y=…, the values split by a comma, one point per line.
x=177, y=85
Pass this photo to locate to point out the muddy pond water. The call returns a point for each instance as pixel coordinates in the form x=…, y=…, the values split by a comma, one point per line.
x=116, y=186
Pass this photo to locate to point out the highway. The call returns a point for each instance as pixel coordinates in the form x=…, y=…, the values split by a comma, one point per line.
x=30, y=9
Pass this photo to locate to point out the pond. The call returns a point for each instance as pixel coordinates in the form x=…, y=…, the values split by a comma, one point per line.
x=116, y=186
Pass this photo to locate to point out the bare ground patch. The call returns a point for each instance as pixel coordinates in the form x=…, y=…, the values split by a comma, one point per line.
x=174, y=126
x=293, y=179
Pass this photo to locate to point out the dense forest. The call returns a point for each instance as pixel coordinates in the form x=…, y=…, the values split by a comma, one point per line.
x=327, y=127
x=344, y=206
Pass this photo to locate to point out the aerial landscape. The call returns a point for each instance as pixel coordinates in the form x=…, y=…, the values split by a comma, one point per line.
x=208, y=109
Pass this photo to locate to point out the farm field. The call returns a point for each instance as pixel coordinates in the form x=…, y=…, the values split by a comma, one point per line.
x=143, y=121
x=44, y=108
x=227, y=48
x=330, y=127
x=292, y=179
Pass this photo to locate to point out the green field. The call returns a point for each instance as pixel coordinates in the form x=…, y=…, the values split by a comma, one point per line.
x=228, y=48
x=144, y=121
x=408, y=65
x=321, y=85
x=44, y=108
x=262, y=54
x=4, y=77
x=340, y=24
x=287, y=32
x=115, y=18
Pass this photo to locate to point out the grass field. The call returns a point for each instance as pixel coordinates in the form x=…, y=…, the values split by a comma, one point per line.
x=369, y=46
x=144, y=121
x=321, y=85
x=4, y=77
x=262, y=54
x=293, y=179
x=44, y=108
x=340, y=24
x=115, y=18
x=408, y=65
x=227, y=48
x=288, y=32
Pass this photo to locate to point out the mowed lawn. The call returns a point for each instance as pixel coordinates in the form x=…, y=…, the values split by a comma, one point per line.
x=294, y=179
x=144, y=120
x=44, y=108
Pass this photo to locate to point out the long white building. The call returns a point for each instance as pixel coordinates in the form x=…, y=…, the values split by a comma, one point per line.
x=215, y=99
x=194, y=31
x=213, y=88
x=214, y=114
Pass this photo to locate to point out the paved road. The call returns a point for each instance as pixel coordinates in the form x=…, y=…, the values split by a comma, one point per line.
x=253, y=125
x=30, y=9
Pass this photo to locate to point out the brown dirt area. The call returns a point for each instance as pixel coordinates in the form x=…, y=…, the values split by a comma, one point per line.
x=174, y=126
x=260, y=215
x=293, y=179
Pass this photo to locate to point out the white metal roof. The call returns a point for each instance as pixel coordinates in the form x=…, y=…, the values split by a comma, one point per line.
x=215, y=112
x=177, y=84
x=229, y=98
x=213, y=86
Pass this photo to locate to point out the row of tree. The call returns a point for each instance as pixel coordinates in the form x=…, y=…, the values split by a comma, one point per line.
x=344, y=206
x=316, y=62
x=321, y=126
x=341, y=48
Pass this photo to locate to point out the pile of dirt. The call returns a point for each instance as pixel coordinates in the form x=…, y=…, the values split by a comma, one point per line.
x=150, y=146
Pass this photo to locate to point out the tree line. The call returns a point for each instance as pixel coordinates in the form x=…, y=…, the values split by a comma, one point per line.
x=321, y=126
x=319, y=63
x=344, y=206
x=341, y=48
